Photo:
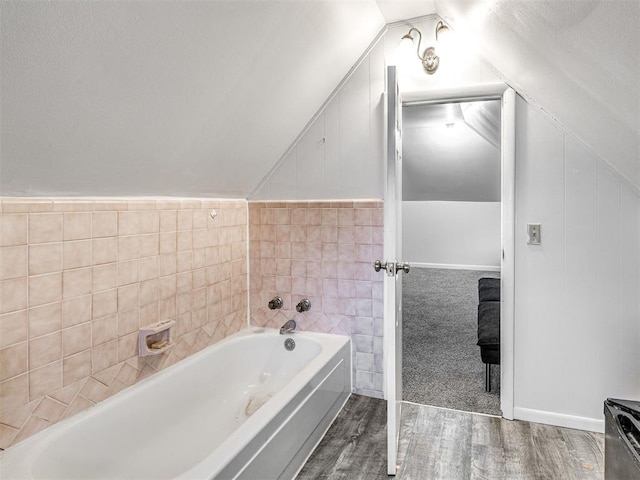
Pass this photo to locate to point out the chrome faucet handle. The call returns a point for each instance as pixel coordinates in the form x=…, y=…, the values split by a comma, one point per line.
x=275, y=303
x=303, y=305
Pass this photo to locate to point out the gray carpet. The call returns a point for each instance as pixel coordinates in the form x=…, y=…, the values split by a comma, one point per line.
x=441, y=361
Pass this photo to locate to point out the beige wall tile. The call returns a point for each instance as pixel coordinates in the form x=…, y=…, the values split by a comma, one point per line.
x=128, y=322
x=50, y=409
x=76, y=310
x=94, y=390
x=110, y=205
x=129, y=247
x=13, y=295
x=72, y=205
x=105, y=277
x=44, y=380
x=168, y=221
x=168, y=242
x=104, y=224
x=185, y=260
x=105, y=303
x=45, y=289
x=76, y=254
x=128, y=223
x=167, y=264
x=201, y=218
x=76, y=226
x=185, y=220
x=7, y=435
x=142, y=204
x=76, y=367
x=13, y=230
x=45, y=349
x=13, y=360
x=96, y=324
x=128, y=272
x=149, y=222
x=149, y=291
x=104, y=356
x=13, y=262
x=45, y=227
x=128, y=297
x=14, y=392
x=104, y=329
x=199, y=238
x=105, y=250
x=76, y=282
x=127, y=347
x=149, y=245
x=185, y=241
x=149, y=314
x=45, y=258
x=149, y=268
x=76, y=339
x=45, y=319
x=13, y=328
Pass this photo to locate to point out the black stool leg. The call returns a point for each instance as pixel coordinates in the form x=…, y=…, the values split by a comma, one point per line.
x=487, y=375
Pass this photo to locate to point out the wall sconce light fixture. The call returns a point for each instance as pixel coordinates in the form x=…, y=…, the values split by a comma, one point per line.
x=430, y=61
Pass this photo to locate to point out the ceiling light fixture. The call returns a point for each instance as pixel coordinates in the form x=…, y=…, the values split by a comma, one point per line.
x=430, y=61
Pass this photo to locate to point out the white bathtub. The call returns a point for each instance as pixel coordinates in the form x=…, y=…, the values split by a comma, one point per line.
x=243, y=408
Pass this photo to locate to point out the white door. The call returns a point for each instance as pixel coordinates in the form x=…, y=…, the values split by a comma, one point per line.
x=391, y=266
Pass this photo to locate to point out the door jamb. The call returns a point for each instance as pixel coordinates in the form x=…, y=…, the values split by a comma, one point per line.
x=507, y=206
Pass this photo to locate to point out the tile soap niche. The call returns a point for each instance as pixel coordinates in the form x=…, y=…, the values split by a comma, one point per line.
x=155, y=339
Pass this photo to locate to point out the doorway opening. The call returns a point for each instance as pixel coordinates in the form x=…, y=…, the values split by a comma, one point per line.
x=451, y=236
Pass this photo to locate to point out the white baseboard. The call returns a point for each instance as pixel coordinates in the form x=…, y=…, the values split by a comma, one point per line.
x=484, y=268
x=559, y=419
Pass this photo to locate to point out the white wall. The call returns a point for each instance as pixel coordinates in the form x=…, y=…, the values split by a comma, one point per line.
x=341, y=154
x=577, y=312
x=460, y=234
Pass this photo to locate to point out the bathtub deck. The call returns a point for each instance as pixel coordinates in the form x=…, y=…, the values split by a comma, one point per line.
x=445, y=444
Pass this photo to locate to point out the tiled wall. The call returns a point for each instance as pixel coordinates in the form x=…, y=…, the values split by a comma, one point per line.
x=323, y=251
x=79, y=277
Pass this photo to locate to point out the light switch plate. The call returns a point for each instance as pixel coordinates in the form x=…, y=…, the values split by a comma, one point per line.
x=535, y=234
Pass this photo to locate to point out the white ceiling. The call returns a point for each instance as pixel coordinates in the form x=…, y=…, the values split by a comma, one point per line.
x=448, y=154
x=165, y=97
x=203, y=98
x=577, y=59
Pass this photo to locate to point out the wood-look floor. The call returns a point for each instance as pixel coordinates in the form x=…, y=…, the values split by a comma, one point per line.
x=445, y=444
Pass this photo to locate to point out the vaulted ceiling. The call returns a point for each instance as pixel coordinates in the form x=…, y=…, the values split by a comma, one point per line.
x=202, y=98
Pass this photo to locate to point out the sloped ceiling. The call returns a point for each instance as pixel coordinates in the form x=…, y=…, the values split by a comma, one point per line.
x=203, y=97
x=577, y=59
x=446, y=157
x=165, y=98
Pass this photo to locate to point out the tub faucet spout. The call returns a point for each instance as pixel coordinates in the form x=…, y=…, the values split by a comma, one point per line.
x=288, y=327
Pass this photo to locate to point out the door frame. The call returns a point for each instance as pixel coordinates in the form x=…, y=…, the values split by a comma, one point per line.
x=507, y=96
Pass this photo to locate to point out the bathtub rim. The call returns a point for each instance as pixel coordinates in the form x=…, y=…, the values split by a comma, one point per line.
x=22, y=456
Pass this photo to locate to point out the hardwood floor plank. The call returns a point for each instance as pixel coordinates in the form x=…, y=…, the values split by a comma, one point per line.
x=422, y=454
x=437, y=443
x=356, y=438
x=551, y=451
x=410, y=413
x=487, y=454
x=519, y=455
x=454, y=451
x=586, y=450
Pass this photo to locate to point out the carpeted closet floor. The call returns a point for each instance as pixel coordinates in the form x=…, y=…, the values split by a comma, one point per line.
x=441, y=361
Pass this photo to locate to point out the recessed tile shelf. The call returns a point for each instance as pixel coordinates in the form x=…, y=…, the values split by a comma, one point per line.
x=155, y=339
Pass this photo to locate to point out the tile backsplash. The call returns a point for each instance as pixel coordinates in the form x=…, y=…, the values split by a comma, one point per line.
x=79, y=277
x=323, y=251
